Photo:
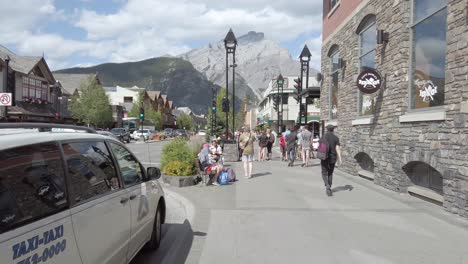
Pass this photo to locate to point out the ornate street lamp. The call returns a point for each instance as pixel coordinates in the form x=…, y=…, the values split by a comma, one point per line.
x=279, y=84
x=305, y=59
x=230, y=43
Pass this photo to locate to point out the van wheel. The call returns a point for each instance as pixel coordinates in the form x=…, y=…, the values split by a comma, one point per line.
x=155, y=240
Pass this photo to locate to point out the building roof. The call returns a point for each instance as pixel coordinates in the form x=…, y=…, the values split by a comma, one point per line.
x=170, y=104
x=153, y=95
x=164, y=97
x=22, y=64
x=71, y=82
x=186, y=110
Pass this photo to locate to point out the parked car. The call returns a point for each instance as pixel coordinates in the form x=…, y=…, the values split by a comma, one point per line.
x=122, y=134
x=142, y=133
x=169, y=132
x=202, y=133
x=75, y=198
x=181, y=133
x=107, y=133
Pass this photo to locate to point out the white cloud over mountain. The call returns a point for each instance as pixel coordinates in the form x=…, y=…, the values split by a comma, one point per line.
x=142, y=29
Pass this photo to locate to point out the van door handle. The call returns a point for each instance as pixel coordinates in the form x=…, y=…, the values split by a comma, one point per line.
x=133, y=196
x=124, y=200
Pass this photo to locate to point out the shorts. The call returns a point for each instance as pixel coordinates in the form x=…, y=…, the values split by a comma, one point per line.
x=283, y=149
x=210, y=169
x=248, y=158
x=305, y=148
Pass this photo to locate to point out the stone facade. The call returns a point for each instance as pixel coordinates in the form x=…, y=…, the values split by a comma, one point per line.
x=390, y=143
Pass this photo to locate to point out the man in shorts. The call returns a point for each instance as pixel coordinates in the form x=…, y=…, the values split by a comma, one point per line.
x=246, y=142
x=208, y=165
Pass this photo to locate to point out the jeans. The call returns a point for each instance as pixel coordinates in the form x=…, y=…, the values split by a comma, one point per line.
x=327, y=172
x=292, y=154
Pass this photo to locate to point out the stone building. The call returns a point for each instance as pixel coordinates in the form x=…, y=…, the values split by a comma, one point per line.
x=411, y=135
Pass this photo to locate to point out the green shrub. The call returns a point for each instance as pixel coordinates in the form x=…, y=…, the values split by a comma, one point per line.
x=178, y=168
x=178, y=150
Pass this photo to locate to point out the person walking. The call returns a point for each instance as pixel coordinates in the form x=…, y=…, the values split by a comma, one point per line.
x=291, y=146
x=299, y=144
x=246, y=142
x=270, y=141
x=262, y=142
x=306, y=139
x=334, y=156
x=283, y=147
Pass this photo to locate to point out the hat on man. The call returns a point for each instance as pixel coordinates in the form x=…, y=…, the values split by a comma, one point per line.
x=331, y=127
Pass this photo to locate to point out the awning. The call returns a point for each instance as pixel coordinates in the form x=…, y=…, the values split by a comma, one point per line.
x=309, y=119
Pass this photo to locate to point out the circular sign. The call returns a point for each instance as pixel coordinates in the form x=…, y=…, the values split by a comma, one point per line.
x=5, y=99
x=369, y=81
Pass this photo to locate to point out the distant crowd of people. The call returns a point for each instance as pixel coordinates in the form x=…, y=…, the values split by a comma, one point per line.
x=296, y=143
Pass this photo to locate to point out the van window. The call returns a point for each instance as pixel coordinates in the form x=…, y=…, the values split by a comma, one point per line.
x=130, y=168
x=91, y=170
x=32, y=184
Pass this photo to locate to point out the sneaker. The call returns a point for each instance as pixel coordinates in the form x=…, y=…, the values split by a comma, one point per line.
x=216, y=184
x=329, y=192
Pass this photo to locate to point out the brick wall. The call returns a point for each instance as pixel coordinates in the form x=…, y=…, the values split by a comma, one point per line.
x=391, y=144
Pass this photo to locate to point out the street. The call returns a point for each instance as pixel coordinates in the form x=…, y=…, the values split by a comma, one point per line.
x=282, y=215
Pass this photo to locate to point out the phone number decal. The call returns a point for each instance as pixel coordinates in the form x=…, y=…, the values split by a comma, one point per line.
x=47, y=253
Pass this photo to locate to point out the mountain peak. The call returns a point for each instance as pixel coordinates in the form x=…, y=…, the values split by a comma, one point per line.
x=252, y=36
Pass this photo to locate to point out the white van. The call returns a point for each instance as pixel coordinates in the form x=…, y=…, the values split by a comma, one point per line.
x=75, y=198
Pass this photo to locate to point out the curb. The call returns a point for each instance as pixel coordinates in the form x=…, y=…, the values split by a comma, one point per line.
x=188, y=206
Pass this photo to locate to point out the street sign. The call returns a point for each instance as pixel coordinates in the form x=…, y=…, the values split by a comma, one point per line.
x=5, y=99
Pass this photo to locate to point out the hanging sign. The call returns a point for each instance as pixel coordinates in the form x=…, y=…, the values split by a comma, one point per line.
x=369, y=81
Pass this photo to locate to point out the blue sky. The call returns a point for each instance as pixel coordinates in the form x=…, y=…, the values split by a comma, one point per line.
x=88, y=32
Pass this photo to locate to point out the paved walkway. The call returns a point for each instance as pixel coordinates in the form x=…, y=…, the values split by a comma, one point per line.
x=283, y=215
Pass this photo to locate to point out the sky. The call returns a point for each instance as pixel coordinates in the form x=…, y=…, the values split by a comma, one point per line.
x=88, y=32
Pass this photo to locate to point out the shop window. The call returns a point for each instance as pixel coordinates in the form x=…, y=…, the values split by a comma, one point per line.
x=368, y=43
x=32, y=185
x=365, y=161
x=422, y=174
x=334, y=60
x=428, y=53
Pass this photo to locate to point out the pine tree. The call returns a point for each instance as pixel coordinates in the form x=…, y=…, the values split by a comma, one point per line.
x=92, y=105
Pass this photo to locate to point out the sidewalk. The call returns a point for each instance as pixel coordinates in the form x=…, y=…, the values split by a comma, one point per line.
x=283, y=215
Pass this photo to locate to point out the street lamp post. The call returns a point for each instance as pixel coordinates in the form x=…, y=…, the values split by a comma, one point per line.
x=279, y=84
x=230, y=43
x=305, y=59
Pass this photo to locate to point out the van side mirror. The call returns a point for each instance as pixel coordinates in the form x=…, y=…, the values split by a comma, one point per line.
x=153, y=173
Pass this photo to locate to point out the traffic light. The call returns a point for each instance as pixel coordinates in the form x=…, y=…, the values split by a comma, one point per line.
x=213, y=105
x=225, y=106
x=275, y=102
x=296, y=97
x=298, y=84
x=142, y=114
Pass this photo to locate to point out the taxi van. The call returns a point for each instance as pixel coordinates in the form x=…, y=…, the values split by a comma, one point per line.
x=74, y=197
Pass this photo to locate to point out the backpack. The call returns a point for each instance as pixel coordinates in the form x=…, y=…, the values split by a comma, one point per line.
x=223, y=178
x=231, y=174
x=323, y=149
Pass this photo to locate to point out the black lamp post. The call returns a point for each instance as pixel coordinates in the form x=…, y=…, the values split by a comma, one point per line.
x=230, y=43
x=305, y=59
x=279, y=84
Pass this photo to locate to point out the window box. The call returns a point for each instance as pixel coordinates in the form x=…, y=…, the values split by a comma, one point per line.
x=421, y=116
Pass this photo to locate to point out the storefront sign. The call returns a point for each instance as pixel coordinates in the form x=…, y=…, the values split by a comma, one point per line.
x=427, y=89
x=369, y=81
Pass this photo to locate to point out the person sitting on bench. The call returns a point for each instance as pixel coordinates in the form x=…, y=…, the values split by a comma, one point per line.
x=207, y=164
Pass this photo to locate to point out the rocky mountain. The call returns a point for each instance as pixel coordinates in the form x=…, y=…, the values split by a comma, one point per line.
x=177, y=78
x=258, y=61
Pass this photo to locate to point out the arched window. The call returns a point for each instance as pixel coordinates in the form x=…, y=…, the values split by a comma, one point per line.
x=333, y=94
x=367, y=43
x=429, y=31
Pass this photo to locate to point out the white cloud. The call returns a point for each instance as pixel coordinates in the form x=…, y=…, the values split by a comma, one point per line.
x=149, y=28
x=315, y=47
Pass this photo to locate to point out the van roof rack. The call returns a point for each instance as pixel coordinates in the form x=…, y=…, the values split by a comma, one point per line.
x=45, y=126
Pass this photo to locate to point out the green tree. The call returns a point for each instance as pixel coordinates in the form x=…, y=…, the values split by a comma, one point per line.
x=185, y=121
x=92, y=105
x=155, y=117
x=135, y=112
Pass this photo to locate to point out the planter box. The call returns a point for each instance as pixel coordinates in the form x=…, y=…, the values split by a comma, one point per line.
x=157, y=138
x=180, y=181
